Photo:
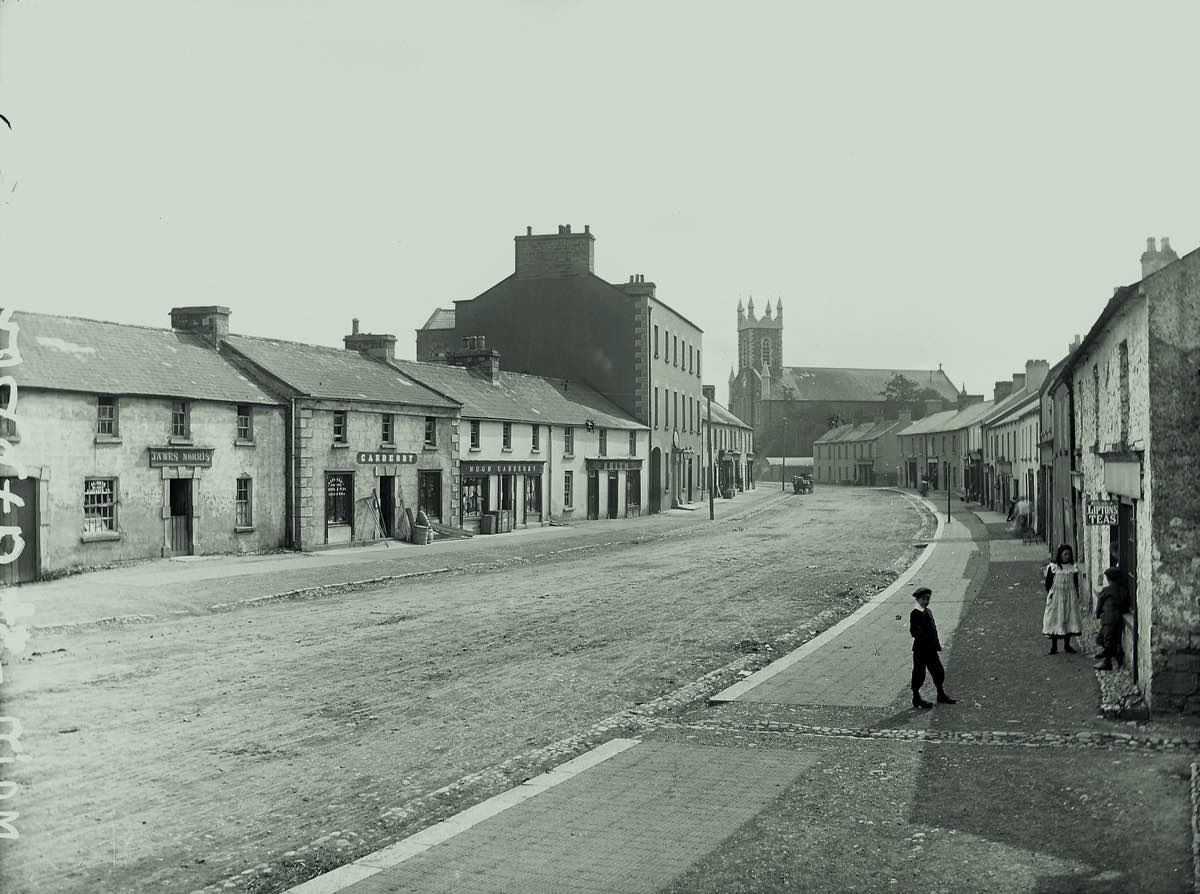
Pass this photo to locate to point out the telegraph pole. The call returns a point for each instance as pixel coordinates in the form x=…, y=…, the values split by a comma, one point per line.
x=783, y=474
x=709, y=391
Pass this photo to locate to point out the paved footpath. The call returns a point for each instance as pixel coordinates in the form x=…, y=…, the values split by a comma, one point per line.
x=730, y=798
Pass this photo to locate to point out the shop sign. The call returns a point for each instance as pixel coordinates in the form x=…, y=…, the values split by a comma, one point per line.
x=613, y=465
x=180, y=456
x=383, y=457
x=499, y=468
x=1100, y=512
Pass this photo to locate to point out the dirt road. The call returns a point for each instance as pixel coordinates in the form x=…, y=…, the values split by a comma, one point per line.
x=171, y=755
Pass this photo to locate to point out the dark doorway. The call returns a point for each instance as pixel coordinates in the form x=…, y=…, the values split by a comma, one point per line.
x=429, y=494
x=181, y=516
x=533, y=498
x=25, y=568
x=911, y=473
x=655, y=480
x=593, y=503
x=614, y=508
x=689, y=479
x=387, y=504
x=1127, y=562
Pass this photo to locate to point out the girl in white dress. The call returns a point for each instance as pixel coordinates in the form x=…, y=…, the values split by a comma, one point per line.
x=1061, y=617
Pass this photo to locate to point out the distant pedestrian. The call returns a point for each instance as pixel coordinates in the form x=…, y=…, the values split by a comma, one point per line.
x=926, y=646
x=1060, y=620
x=1111, y=605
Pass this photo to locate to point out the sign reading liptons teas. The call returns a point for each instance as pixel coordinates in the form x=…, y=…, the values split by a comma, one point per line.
x=1101, y=512
x=493, y=468
x=180, y=456
x=384, y=457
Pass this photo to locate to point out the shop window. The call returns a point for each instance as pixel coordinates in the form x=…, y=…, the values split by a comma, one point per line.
x=430, y=431
x=568, y=490
x=568, y=441
x=535, y=439
x=181, y=422
x=506, y=437
x=106, y=416
x=387, y=428
x=340, y=435
x=243, y=502
x=99, y=505
x=474, y=434
x=245, y=423
x=604, y=442
x=633, y=488
x=474, y=491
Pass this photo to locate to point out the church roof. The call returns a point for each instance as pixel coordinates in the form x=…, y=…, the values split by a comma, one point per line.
x=825, y=383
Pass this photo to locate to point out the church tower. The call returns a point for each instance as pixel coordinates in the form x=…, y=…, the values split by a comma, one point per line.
x=760, y=340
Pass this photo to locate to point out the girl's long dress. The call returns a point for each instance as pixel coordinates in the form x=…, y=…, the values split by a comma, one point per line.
x=1061, y=617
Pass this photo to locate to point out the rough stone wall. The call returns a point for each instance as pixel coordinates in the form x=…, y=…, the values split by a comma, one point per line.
x=1174, y=529
x=1098, y=428
x=58, y=440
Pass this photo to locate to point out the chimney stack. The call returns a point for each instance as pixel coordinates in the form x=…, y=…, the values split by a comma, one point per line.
x=210, y=322
x=476, y=356
x=1153, y=261
x=555, y=255
x=904, y=417
x=379, y=347
x=1001, y=390
x=1036, y=372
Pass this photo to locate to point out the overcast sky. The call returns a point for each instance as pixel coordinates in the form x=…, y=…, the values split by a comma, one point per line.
x=920, y=183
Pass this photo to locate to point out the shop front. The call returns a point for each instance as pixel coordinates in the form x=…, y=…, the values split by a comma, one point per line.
x=181, y=469
x=498, y=496
x=614, y=485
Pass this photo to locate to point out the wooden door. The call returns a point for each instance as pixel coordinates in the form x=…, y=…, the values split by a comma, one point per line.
x=25, y=568
x=181, y=516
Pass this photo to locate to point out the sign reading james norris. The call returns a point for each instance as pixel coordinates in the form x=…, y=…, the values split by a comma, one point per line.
x=1101, y=512
x=384, y=457
x=180, y=456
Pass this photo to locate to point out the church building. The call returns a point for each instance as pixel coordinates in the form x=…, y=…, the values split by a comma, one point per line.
x=791, y=406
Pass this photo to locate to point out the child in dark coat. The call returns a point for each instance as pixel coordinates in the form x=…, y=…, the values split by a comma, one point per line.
x=1111, y=605
x=926, y=646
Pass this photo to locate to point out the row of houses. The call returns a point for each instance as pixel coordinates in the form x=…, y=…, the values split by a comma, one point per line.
x=192, y=440
x=1103, y=447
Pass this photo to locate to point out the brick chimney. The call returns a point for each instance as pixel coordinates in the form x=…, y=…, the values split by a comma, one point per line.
x=555, y=255
x=1018, y=381
x=637, y=286
x=1152, y=260
x=381, y=347
x=968, y=400
x=210, y=322
x=1035, y=374
x=1001, y=390
x=477, y=357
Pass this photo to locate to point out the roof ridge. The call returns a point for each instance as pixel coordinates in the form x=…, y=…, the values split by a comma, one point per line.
x=34, y=313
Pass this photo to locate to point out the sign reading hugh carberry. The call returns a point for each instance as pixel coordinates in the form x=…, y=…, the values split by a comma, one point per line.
x=1100, y=512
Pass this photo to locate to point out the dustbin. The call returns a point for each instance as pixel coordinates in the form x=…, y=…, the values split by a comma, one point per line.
x=420, y=535
x=487, y=523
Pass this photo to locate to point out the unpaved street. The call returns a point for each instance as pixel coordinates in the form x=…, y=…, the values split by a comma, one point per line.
x=171, y=755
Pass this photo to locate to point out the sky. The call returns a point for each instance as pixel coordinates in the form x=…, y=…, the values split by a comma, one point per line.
x=919, y=183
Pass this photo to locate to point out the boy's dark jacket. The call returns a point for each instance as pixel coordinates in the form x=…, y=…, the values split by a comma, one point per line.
x=924, y=631
x=1112, y=602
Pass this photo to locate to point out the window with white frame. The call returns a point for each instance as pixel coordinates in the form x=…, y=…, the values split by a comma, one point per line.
x=569, y=441
x=430, y=431
x=568, y=489
x=535, y=438
x=99, y=505
x=245, y=423
x=474, y=434
x=339, y=427
x=106, y=416
x=633, y=443
x=181, y=423
x=243, y=501
x=604, y=442
x=506, y=436
x=387, y=428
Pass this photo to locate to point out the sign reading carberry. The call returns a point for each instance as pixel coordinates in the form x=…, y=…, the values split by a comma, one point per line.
x=383, y=457
x=1100, y=512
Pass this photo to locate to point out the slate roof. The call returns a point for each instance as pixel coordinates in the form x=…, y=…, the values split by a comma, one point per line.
x=335, y=373
x=722, y=416
x=442, y=318
x=949, y=420
x=519, y=397
x=846, y=384
x=1018, y=408
x=862, y=431
x=77, y=354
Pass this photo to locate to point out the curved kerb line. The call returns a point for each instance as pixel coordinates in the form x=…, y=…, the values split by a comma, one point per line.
x=737, y=690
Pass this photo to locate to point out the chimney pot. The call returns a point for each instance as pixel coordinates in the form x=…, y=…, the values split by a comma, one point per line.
x=529, y=231
x=1150, y=244
x=587, y=228
x=1165, y=244
x=354, y=326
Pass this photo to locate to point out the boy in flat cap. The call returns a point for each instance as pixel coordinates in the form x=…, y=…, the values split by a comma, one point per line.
x=926, y=646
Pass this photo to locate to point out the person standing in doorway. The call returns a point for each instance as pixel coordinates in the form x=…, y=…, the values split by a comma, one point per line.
x=1111, y=605
x=926, y=646
x=1060, y=619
